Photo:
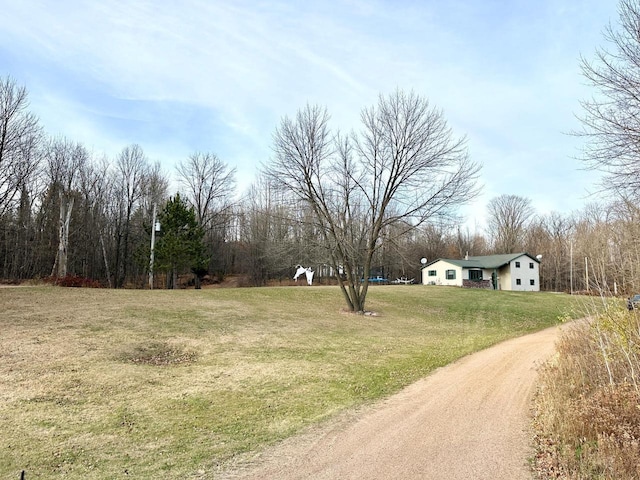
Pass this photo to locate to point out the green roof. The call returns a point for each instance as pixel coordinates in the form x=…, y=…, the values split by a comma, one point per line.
x=487, y=262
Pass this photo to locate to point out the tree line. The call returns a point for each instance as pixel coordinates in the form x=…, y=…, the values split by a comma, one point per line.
x=346, y=205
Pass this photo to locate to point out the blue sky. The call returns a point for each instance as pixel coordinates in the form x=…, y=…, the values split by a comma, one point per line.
x=217, y=76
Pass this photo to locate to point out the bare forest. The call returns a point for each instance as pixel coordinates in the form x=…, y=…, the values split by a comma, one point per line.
x=66, y=213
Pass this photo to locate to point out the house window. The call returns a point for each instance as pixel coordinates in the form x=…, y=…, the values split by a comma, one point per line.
x=530, y=264
x=518, y=281
x=475, y=275
x=432, y=273
x=517, y=264
x=451, y=274
x=532, y=282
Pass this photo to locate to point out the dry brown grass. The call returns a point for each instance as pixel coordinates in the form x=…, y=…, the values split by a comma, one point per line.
x=172, y=384
x=588, y=406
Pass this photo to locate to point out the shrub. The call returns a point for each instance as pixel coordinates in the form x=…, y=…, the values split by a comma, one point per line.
x=74, y=281
x=587, y=418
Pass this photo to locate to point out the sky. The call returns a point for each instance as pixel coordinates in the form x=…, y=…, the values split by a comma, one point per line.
x=179, y=77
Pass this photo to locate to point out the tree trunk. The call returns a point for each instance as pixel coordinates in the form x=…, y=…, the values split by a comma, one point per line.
x=106, y=263
x=172, y=277
x=66, y=207
x=125, y=254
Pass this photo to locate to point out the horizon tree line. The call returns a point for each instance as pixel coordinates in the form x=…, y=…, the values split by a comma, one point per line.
x=65, y=211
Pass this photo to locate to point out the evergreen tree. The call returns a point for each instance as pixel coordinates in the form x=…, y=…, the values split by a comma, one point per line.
x=180, y=245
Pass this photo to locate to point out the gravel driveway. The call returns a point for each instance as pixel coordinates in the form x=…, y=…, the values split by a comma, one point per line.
x=469, y=420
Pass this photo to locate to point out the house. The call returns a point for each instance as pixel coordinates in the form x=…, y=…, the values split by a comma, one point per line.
x=515, y=271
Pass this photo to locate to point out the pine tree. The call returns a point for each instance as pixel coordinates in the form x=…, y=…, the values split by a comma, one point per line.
x=180, y=245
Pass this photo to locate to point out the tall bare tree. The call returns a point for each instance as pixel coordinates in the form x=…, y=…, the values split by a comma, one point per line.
x=508, y=217
x=132, y=170
x=404, y=166
x=20, y=135
x=255, y=218
x=65, y=160
x=550, y=235
x=156, y=186
x=611, y=120
x=210, y=185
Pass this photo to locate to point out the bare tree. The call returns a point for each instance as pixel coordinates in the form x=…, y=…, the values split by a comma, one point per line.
x=132, y=168
x=254, y=225
x=606, y=251
x=157, y=186
x=611, y=121
x=270, y=232
x=65, y=160
x=20, y=135
x=470, y=243
x=551, y=235
x=210, y=185
x=95, y=189
x=404, y=166
x=508, y=217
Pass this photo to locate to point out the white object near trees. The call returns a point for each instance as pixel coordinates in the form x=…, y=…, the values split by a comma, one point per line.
x=308, y=273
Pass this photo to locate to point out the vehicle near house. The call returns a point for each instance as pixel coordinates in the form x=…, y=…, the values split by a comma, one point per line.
x=513, y=271
x=378, y=279
x=633, y=302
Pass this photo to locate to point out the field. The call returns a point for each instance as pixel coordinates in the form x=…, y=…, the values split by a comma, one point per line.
x=172, y=384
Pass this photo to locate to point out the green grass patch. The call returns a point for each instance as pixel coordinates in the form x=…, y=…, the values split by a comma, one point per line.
x=173, y=384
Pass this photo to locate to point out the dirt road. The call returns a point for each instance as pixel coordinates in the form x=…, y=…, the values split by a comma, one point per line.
x=468, y=420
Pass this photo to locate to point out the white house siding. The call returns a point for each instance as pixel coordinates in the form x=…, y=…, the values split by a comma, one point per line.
x=440, y=278
x=525, y=274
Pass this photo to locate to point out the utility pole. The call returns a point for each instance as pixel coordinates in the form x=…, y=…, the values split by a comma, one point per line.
x=586, y=273
x=571, y=267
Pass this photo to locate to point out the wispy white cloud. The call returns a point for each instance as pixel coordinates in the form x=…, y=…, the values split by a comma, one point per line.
x=213, y=75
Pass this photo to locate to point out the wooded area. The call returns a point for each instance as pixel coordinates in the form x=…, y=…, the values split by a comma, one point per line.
x=66, y=212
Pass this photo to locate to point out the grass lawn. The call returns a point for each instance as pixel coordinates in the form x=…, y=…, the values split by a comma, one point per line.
x=172, y=384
